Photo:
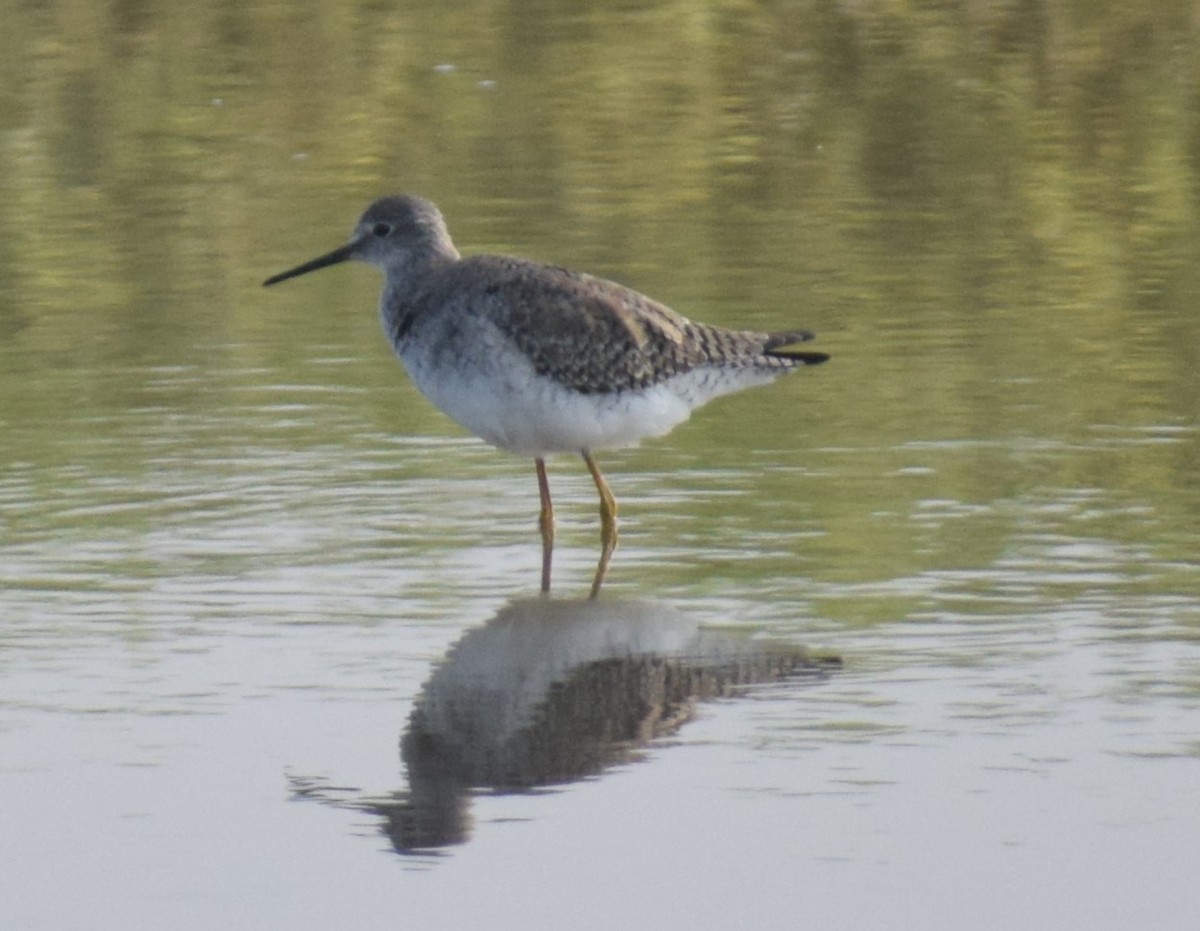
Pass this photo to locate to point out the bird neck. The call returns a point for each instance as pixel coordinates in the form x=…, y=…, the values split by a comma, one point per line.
x=406, y=270
x=409, y=275
x=407, y=286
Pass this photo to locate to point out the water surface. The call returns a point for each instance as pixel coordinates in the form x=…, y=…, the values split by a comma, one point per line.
x=243, y=563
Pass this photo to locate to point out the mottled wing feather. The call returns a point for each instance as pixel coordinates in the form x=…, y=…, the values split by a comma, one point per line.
x=587, y=333
x=595, y=335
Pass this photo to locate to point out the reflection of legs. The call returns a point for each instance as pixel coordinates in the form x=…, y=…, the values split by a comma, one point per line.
x=608, y=522
x=545, y=522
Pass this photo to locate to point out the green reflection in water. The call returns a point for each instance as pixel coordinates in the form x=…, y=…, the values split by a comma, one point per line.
x=988, y=215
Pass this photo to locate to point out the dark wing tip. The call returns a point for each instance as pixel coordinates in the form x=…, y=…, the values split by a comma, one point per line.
x=777, y=346
x=800, y=358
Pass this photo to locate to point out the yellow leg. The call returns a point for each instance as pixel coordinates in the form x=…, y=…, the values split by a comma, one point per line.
x=608, y=522
x=545, y=522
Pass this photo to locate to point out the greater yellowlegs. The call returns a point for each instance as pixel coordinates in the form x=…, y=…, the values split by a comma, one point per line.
x=537, y=359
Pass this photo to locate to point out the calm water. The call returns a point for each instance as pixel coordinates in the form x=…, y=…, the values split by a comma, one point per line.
x=269, y=653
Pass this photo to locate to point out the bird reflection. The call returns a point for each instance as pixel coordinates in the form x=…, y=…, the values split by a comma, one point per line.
x=549, y=692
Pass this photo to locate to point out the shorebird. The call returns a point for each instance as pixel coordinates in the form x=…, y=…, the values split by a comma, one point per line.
x=537, y=359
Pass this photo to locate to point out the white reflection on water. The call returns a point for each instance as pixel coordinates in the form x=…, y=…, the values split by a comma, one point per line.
x=550, y=692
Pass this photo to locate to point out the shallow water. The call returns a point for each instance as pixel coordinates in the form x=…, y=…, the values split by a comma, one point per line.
x=266, y=617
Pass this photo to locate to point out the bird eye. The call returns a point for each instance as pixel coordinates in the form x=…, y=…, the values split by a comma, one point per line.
x=382, y=229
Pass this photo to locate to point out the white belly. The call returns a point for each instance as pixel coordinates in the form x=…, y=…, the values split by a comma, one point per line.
x=523, y=412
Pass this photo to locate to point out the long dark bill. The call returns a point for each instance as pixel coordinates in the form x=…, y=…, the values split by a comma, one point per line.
x=331, y=258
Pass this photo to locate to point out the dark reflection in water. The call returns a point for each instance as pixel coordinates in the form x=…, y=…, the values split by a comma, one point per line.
x=549, y=692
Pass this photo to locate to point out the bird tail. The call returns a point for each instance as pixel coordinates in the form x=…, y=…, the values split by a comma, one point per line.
x=781, y=346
